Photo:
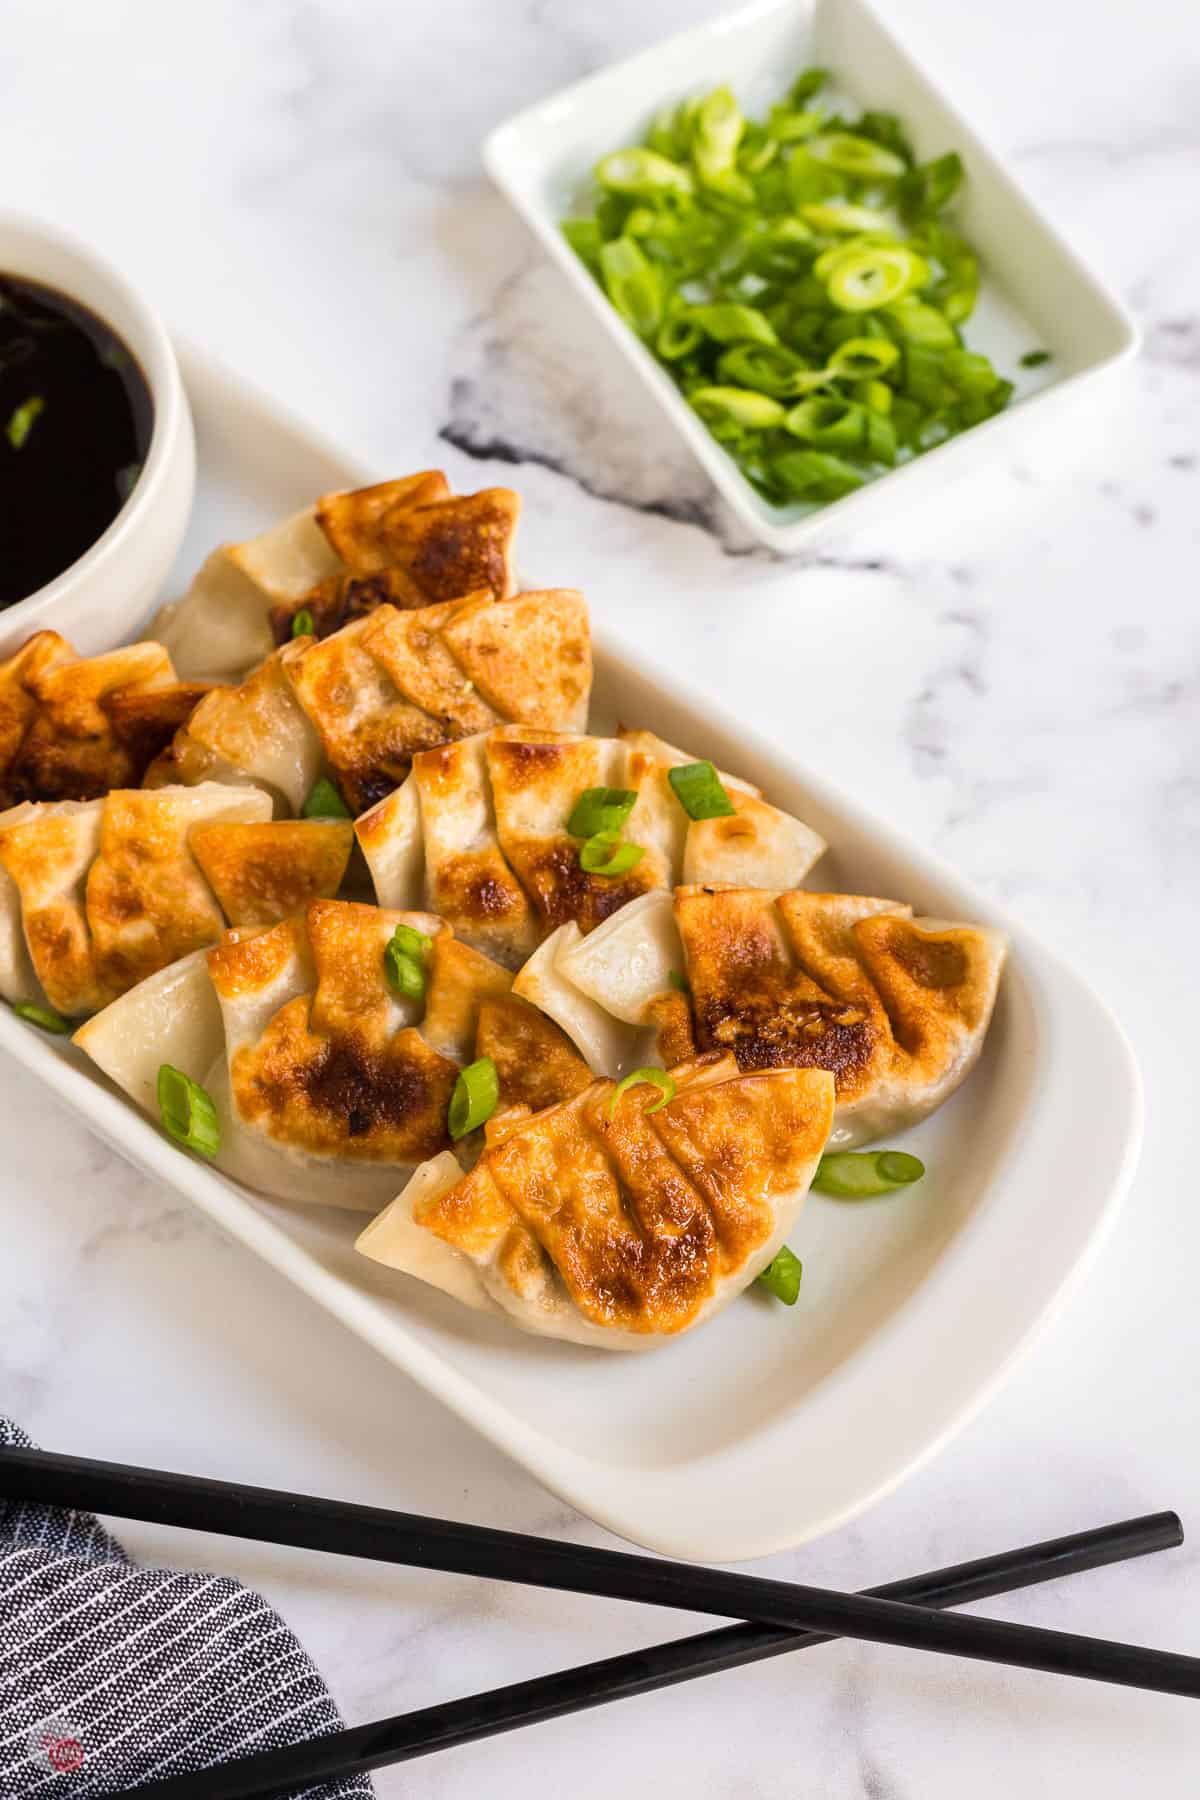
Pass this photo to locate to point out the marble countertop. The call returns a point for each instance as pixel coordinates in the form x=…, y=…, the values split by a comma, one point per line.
x=1016, y=680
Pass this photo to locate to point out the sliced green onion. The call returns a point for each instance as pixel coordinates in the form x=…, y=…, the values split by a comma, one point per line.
x=404, y=961
x=782, y=1275
x=324, y=802
x=601, y=809
x=825, y=420
x=735, y=324
x=678, y=337
x=475, y=1098
x=931, y=186
x=862, y=1174
x=187, y=1111
x=770, y=369
x=876, y=396
x=875, y=275
x=857, y=156
x=816, y=475
x=302, y=623
x=918, y=323
x=842, y=215
x=44, y=1017
x=863, y=357
x=699, y=790
x=806, y=85
x=22, y=420
x=881, y=439
x=741, y=406
x=634, y=285
x=655, y=1078
x=1033, y=359
x=679, y=982
x=642, y=173
x=584, y=237
x=716, y=134
x=605, y=854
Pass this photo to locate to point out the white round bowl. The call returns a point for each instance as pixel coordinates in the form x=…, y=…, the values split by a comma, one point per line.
x=104, y=596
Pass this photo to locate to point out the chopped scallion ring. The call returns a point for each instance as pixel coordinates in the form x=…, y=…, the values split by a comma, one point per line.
x=634, y=285
x=856, y=156
x=302, y=623
x=679, y=982
x=605, y=854
x=875, y=275
x=642, y=173
x=782, y=1275
x=741, y=406
x=404, y=961
x=44, y=1017
x=864, y=357
x=475, y=1098
x=324, y=802
x=23, y=419
x=1033, y=359
x=636, y=1078
x=860, y=1175
x=601, y=809
x=730, y=324
x=842, y=215
x=187, y=1111
x=699, y=790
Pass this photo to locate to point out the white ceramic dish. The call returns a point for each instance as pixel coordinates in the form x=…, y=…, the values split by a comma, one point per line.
x=106, y=593
x=1036, y=293
x=766, y=1427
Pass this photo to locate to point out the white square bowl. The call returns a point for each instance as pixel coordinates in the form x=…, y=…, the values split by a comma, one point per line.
x=1036, y=292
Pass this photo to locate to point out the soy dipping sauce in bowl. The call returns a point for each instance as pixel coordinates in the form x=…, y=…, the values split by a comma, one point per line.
x=76, y=419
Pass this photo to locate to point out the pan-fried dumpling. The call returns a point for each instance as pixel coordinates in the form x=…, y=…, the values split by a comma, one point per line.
x=73, y=727
x=407, y=542
x=359, y=704
x=488, y=817
x=105, y=892
x=255, y=733
x=265, y=872
x=221, y=627
x=618, y=1226
x=896, y=1007
x=329, y=1085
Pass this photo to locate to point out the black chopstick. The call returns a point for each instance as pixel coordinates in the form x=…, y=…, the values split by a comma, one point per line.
x=409, y=1735
x=374, y=1533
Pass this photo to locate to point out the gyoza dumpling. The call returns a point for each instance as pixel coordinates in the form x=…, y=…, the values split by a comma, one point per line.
x=488, y=818
x=329, y=1085
x=612, y=1224
x=262, y=873
x=73, y=727
x=896, y=1007
x=105, y=892
x=222, y=627
x=360, y=703
x=407, y=542
x=256, y=733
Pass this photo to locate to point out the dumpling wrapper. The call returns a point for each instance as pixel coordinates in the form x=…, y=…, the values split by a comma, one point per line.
x=530, y=657
x=262, y=873
x=73, y=727
x=255, y=734
x=619, y=1227
x=352, y=521
x=105, y=892
x=221, y=627
x=606, y=1045
x=896, y=1007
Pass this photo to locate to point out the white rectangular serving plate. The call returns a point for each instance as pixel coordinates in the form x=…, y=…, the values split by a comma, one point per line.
x=1036, y=291
x=768, y=1426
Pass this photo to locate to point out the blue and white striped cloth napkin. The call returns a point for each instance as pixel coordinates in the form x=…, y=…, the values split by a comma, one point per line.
x=111, y=1674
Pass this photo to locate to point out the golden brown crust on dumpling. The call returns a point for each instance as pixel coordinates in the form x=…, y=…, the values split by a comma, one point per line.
x=933, y=983
x=536, y=1063
x=530, y=658
x=261, y=873
x=72, y=728
x=643, y=1215
x=456, y=545
x=245, y=963
x=351, y=521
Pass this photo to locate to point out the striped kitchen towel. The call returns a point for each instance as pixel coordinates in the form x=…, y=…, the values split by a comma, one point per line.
x=111, y=1674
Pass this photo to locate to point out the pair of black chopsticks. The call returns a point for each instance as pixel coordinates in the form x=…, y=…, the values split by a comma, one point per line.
x=785, y=1616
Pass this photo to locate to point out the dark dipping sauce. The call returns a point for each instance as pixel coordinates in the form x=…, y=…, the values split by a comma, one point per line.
x=75, y=422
